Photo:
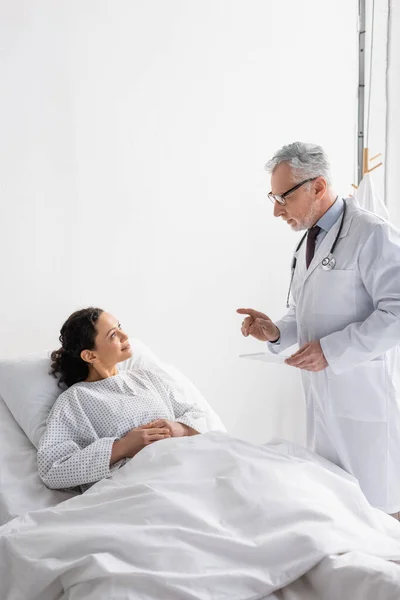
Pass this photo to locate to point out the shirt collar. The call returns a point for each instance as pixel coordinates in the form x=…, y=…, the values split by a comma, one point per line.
x=331, y=216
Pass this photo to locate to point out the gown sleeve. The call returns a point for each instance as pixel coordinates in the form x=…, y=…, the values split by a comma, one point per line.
x=70, y=453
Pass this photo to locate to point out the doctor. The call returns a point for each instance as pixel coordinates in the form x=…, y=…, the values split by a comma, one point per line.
x=344, y=312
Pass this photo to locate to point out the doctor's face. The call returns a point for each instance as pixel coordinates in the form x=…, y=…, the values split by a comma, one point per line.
x=301, y=208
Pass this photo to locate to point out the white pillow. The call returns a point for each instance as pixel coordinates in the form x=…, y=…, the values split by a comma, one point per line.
x=29, y=391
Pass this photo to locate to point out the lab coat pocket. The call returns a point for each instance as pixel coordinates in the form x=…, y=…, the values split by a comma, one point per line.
x=334, y=292
x=359, y=393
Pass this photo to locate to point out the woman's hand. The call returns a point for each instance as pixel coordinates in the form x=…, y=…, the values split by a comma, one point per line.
x=175, y=429
x=136, y=439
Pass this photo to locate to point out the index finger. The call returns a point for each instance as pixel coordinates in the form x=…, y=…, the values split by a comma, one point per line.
x=159, y=431
x=249, y=311
x=298, y=359
x=300, y=351
x=152, y=424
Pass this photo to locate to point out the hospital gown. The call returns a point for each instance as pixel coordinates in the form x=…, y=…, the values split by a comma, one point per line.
x=89, y=417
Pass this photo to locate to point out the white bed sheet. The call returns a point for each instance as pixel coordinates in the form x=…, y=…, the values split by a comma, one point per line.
x=362, y=576
x=21, y=489
x=192, y=515
x=352, y=575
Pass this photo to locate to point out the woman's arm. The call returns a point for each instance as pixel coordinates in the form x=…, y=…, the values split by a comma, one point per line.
x=135, y=440
x=190, y=416
x=70, y=453
x=67, y=465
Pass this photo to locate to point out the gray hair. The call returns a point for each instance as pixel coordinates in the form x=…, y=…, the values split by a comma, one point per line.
x=306, y=160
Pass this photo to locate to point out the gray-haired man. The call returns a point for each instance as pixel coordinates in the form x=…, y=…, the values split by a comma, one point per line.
x=345, y=315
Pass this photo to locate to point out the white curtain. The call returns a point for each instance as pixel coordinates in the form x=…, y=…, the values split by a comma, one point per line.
x=369, y=198
x=382, y=97
x=376, y=26
x=392, y=171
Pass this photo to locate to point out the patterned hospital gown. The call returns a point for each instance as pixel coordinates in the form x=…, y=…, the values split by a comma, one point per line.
x=88, y=417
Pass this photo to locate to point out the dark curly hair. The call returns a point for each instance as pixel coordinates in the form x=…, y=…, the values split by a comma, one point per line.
x=78, y=333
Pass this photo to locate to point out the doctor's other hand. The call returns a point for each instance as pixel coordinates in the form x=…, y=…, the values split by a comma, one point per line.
x=258, y=325
x=310, y=357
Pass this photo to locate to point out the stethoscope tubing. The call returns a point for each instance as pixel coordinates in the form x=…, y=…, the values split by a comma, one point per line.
x=328, y=263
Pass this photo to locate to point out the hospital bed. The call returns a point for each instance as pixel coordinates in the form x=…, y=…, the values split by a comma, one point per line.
x=21, y=489
x=25, y=504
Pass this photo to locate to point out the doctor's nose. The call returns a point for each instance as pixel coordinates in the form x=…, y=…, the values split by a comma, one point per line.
x=279, y=210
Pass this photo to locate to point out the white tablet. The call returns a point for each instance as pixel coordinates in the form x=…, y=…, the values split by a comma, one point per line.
x=266, y=357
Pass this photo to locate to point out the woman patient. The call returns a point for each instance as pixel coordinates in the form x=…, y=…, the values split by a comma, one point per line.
x=104, y=417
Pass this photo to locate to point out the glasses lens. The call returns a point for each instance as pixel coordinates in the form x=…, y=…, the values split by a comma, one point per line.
x=275, y=198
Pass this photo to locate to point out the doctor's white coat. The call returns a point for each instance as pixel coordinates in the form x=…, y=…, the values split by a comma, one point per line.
x=353, y=406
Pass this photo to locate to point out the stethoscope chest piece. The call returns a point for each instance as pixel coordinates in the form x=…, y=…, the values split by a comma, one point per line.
x=329, y=262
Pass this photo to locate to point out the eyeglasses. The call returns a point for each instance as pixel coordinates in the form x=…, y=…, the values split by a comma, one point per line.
x=281, y=199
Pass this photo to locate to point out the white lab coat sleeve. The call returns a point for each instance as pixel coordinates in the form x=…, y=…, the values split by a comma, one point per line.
x=379, y=264
x=288, y=331
x=70, y=454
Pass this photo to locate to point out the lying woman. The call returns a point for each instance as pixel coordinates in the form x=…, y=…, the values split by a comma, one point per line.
x=104, y=417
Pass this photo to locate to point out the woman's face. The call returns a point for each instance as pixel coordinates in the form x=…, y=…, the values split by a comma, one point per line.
x=111, y=343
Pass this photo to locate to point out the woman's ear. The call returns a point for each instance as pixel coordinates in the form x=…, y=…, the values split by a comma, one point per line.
x=88, y=356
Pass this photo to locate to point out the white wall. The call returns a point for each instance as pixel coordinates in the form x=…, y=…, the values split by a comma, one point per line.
x=133, y=139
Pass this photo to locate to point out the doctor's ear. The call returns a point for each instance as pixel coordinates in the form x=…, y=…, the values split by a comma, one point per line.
x=320, y=187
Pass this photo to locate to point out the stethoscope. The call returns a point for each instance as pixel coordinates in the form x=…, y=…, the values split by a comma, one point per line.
x=328, y=263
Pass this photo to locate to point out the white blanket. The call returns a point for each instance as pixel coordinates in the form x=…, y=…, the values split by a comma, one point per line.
x=203, y=517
